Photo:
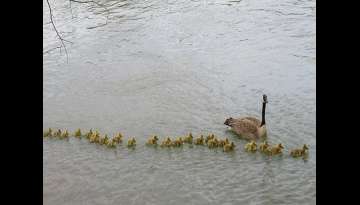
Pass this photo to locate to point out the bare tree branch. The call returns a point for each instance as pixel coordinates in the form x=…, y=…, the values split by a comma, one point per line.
x=48, y=51
x=57, y=33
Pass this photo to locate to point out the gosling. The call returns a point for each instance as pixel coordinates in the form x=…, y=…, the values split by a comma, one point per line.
x=264, y=146
x=189, y=139
x=229, y=147
x=57, y=133
x=200, y=140
x=131, y=142
x=89, y=134
x=104, y=140
x=274, y=150
x=212, y=143
x=153, y=140
x=178, y=142
x=95, y=137
x=209, y=137
x=166, y=143
x=251, y=146
x=222, y=143
x=77, y=133
x=48, y=133
x=118, y=138
x=299, y=152
x=111, y=143
x=64, y=135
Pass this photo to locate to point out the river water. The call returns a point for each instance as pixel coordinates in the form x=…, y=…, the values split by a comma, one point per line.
x=145, y=67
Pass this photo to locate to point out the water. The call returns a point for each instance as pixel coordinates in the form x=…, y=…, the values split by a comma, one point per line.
x=168, y=68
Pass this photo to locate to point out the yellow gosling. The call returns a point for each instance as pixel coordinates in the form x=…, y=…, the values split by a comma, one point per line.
x=106, y=139
x=48, y=133
x=57, y=133
x=263, y=146
x=222, y=143
x=131, y=142
x=77, y=133
x=229, y=147
x=111, y=143
x=152, y=140
x=212, y=143
x=64, y=135
x=103, y=140
x=200, y=140
x=274, y=150
x=166, y=143
x=299, y=152
x=89, y=134
x=189, y=139
x=118, y=138
x=251, y=146
x=209, y=137
x=178, y=142
x=95, y=137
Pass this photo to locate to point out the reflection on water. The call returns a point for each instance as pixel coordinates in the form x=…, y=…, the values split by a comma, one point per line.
x=168, y=68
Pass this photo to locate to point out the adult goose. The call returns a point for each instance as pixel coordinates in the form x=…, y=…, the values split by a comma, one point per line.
x=249, y=127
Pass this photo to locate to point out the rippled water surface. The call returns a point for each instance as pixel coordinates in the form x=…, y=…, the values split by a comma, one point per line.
x=168, y=68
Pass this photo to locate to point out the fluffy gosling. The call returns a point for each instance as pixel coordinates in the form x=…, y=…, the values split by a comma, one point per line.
x=152, y=140
x=251, y=146
x=263, y=146
x=77, y=133
x=166, y=143
x=111, y=143
x=222, y=143
x=131, y=142
x=274, y=150
x=118, y=138
x=299, y=152
x=48, y=133
x=229, y=147
x=189, y=139
x=200, y=140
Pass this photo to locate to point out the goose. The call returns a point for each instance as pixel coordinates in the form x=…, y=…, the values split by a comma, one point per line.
x=249, y=127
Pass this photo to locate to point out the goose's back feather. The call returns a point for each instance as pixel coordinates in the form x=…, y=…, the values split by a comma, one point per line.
x=245, y=126
x=256, y=121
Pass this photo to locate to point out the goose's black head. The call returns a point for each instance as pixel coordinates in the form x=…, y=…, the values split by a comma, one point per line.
x=229, y=121
x=265, y=99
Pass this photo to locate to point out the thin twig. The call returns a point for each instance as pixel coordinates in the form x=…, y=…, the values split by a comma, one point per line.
x=57, y=33
x=48, y=51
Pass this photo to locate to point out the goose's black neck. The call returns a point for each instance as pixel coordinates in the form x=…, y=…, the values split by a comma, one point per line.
x=263, y=114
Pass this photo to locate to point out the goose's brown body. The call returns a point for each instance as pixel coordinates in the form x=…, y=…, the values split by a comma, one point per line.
x=249, y=127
